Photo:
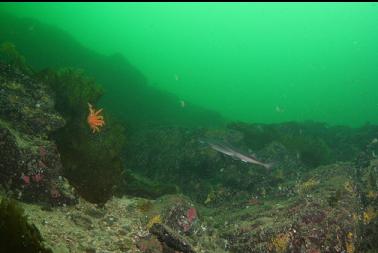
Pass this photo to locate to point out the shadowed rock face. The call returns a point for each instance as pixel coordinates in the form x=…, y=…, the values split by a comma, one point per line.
x=29, y=161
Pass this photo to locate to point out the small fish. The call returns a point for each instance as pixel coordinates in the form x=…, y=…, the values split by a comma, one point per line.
x=177, y=77
x=182, y=103
x=247, y=159
x=219, y=146
x=279, y=109
x=226, y=149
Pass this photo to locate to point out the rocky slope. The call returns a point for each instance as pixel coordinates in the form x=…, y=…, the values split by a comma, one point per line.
x=29, y=161
x=321, y=195
x=321, y=213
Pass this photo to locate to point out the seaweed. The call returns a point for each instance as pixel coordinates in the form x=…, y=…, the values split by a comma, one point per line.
x=91, y=161
x=16, y=234
x=10, y=55
x=256, y=135
x=73, y=90
x=312, y=151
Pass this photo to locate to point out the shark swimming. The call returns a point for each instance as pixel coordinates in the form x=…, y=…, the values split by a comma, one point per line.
x=228, y=150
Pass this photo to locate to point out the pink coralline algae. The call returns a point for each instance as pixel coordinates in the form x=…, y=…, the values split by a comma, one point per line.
x=37, y=178
x=26, y=179
x=191, y=214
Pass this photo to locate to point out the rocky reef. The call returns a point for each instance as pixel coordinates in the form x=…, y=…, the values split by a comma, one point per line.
x=177, y=155
x=322, y=212
x=30, y=164
x=156, y=187
x=320, y=195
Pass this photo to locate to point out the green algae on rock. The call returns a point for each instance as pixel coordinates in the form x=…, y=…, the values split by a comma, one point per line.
x=16, y=233
x=30, y=163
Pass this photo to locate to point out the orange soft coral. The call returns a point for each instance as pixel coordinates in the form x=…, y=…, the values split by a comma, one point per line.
x=94, y=119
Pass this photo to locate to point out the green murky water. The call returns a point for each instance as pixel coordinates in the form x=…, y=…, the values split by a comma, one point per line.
x=189, y=127
x=255, y=62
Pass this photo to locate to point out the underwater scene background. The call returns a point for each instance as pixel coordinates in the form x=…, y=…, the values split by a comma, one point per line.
x=188, y=127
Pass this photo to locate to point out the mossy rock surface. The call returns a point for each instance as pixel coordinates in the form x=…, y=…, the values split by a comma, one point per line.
x=30, y=164
x=16, y=233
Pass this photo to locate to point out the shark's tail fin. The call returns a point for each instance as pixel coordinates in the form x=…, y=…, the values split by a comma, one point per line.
x=202, y=141
x=268, y=166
